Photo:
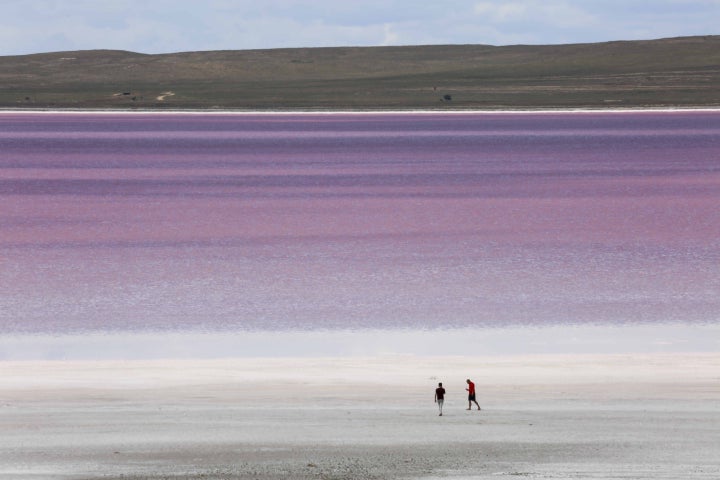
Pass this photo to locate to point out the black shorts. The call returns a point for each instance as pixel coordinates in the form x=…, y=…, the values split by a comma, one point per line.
x=471, y=397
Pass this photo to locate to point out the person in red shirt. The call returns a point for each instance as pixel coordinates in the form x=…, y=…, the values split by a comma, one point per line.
x=471, y=395
x=440, y=396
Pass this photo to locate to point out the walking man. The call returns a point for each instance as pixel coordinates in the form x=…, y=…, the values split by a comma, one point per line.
x=440, y=396
x=471, y=395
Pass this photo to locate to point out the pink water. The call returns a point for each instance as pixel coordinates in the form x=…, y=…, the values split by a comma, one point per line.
x=284, y=222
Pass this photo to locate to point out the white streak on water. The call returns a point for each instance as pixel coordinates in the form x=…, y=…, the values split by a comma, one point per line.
x=561, y=339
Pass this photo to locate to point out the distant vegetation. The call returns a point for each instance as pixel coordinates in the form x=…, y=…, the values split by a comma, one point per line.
x=669, y=72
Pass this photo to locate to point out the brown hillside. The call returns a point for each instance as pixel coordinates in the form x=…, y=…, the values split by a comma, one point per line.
x=668, y=72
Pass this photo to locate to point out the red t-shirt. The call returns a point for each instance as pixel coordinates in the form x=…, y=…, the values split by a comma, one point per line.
x=471, y=388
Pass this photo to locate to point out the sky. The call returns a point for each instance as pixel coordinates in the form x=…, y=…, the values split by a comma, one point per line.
x=166, y=26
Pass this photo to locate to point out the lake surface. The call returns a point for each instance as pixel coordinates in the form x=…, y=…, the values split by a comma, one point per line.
x=117, y=223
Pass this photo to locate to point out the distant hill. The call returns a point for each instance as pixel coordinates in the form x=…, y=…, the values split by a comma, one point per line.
x=668, y=72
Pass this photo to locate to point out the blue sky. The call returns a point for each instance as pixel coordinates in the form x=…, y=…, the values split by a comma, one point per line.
x=163, y=26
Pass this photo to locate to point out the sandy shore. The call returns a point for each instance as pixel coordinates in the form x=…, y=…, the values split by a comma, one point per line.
x=612, y=417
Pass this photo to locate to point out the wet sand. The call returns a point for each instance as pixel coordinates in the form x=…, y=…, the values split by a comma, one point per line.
x=606, y=417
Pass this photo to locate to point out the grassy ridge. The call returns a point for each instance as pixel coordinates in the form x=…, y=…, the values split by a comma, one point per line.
x=668, y=72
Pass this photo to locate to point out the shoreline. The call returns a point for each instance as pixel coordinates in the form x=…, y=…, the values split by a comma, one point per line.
x=534, y=370
x=362, y=112
x=508, y=342
x=379, y=381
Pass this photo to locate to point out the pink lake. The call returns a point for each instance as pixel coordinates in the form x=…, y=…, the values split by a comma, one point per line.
x=318, y=222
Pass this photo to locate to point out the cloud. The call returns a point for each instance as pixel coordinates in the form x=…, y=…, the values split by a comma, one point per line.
x=155, y=26
x=538, y=21
x=564, y=21
x=391, y=37
x=502, y=11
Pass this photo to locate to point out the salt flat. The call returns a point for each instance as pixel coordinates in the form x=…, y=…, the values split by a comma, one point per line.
x=600, y=416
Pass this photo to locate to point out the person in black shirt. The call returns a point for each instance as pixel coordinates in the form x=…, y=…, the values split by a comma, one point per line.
x=440, y=396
